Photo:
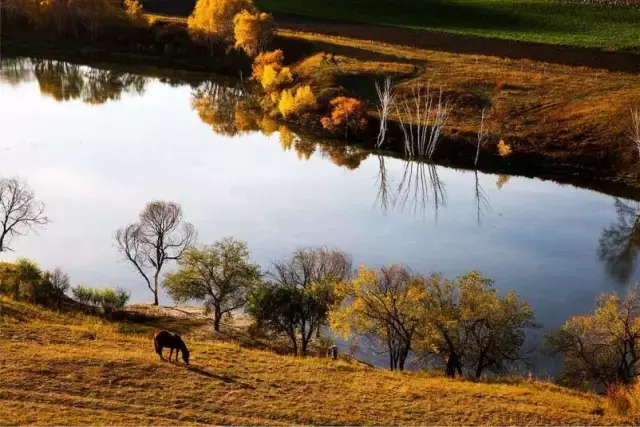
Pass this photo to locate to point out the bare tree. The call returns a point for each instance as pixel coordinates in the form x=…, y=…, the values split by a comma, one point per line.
x=634, y=134
x=483, y=135
x=422, y=120
x=386, y=97
x=159, y=237
x=20, y=212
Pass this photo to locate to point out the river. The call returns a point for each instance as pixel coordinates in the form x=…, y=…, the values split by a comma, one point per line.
x=96, y=145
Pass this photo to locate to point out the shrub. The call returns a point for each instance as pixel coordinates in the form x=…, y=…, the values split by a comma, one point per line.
x=107, y=299
x=305, y=100
x=347, y=114
x=504, y=149
x=253, y=31
x=212, y=20
x=625, y=400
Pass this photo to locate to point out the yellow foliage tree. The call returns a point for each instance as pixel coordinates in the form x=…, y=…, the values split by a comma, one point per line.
x=273, y=78
x=305, y=100
x=286, y=106
x=384, y=305
x=212, y=20
x=347, y=114
x=253, y=31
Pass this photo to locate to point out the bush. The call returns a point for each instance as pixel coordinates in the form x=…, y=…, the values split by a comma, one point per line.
x=346, y=114
x=286, y=106
x=273, y=78
x=274, y=58
x=625, y=400
x=504, y=149
x=253, y=31
x=107, y=300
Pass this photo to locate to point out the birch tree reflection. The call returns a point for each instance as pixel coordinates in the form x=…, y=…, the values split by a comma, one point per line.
x=418, y=188
x=619, y=247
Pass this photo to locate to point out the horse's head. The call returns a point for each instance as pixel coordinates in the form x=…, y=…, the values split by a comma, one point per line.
x=185, y=355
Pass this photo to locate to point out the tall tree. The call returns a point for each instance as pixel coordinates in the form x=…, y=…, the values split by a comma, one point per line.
x=160, y=236
x=221, y=276
x=20, y=212
x=603, y=347
x=384, y=305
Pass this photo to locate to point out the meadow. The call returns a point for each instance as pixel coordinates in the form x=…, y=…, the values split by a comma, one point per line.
x=540, y=21
x=78, y=369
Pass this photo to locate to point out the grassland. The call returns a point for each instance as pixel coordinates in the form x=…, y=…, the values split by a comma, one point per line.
x=541, y=21
x=62, y=369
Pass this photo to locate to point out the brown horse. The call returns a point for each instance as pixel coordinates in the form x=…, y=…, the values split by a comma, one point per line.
x=163, y=339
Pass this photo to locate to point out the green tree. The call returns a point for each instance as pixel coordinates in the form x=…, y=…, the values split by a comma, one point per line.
x=288, y=310
x=221, y=276
x=297, y=300
x=604, y=347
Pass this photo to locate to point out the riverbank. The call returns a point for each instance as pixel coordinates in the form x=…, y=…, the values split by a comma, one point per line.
x=564, y=123
x=86, y=371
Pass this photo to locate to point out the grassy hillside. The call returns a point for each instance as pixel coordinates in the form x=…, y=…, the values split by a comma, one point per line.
x=78, y=370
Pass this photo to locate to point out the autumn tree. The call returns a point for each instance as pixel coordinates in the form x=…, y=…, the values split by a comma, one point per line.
x=347, y=114
x=296, y=300
x=20, y=212
x=603, y=347
x=212, y=21
x=221, y=276
x=303, y=101
x=159, y=237
x=383, y=305
x=469, y=326
x=253, y=31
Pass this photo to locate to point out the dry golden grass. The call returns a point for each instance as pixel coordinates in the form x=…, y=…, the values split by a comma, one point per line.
x=56, y=369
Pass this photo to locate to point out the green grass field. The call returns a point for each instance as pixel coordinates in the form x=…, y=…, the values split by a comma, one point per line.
x=544, y=21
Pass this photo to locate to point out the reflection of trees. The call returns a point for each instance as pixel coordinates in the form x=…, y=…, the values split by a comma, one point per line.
x=64, y=81
x=481, y=198
x=216, y=106
x=342, y=155
x=16, y=70
x=502, y=181
x=419, y=186
x=620, y=243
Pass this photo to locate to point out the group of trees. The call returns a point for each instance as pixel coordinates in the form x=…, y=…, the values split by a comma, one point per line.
x=72, y=17
x=462, y=324
x=235, y=23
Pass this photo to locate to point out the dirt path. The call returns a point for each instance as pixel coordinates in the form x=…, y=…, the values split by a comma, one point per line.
x=454, y=43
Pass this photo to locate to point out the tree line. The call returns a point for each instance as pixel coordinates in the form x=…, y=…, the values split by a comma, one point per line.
x=462, y=325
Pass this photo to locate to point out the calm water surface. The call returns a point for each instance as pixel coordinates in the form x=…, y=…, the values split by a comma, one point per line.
x=96, y=151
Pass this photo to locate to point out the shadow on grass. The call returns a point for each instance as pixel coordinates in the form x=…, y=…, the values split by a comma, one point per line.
x=223, y=378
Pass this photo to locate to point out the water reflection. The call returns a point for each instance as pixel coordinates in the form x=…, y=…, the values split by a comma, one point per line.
x=419, y=187
x=620, y=243
x=64, y=81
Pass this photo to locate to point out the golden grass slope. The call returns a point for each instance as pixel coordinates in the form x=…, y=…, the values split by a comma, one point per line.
x=56, y=369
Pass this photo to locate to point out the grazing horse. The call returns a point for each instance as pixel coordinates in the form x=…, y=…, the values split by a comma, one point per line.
x=163, y=339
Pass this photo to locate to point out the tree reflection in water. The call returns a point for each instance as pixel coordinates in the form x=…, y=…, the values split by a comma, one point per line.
x=619, y=248
x=64, y=81
x=481, y=199
x=419, y=186
x=16, y=70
